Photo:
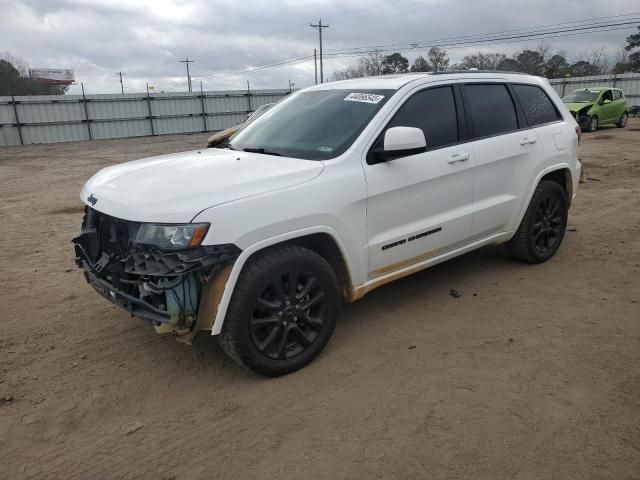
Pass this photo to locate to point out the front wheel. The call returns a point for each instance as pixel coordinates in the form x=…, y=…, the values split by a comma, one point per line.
x=623, y=120
x=282, y=312
x=593, y=124
x=542, y=229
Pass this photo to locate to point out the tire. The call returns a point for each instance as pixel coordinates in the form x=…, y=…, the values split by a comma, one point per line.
x=623, y=120
x=274, y=325
x=542, y=229
x=593, y=124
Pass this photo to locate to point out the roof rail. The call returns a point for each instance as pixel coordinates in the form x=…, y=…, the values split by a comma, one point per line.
x=478, y=71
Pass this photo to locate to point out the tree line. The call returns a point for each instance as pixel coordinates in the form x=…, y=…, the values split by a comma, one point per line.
x=542, y=61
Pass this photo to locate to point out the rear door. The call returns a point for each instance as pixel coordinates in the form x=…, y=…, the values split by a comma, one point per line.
x=506, y=152
x=421, y=205
x=620, y=103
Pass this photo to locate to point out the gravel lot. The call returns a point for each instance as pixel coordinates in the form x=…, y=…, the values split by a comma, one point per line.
x=532, y=373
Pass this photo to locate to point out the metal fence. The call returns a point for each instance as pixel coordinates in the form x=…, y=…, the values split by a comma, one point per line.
x=66, y=118
x=629, y=83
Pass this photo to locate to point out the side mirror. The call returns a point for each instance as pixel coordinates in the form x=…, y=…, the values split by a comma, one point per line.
x=606, y=101
x=400, y=142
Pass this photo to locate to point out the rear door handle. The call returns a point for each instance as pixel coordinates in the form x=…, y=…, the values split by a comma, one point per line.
x=528, y=141
x=459, y=157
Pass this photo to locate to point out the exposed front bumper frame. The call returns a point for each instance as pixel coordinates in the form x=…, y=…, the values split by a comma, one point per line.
x=134, y=306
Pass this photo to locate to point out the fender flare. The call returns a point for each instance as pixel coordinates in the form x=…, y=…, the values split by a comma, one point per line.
x=542, y=173
x=240, y=262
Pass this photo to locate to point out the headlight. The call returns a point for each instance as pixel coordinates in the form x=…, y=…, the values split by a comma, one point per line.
x=172, y=237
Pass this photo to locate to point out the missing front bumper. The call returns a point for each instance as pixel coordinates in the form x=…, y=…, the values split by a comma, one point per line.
x=134, y=306
x=163, y=288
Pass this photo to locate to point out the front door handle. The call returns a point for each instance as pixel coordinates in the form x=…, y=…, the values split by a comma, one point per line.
x=459, y=157
x=528, y=141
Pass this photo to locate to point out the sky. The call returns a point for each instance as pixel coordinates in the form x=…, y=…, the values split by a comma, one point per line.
x=145, y=39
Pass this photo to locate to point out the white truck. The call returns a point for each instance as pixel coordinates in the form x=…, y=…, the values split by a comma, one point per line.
x=336, y=190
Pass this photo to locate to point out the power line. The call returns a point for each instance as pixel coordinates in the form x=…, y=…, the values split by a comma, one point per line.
x=460, y=42
x=232, y=73
x=319, y=27
x=495, y=38
x=187, y=62
x=257, y=68
x=530, y=30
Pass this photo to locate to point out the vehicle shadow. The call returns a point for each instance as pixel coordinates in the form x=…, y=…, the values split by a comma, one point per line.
x=470, y=268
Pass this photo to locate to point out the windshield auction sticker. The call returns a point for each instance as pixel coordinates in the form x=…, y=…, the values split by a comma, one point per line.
x=363, y=97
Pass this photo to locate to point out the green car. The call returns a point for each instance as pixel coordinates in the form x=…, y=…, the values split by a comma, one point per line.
x=593, y=107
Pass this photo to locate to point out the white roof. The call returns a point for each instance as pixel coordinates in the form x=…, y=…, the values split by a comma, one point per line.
x=394, y=82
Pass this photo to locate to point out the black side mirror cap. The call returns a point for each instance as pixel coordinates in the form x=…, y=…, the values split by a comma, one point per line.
x=380, y=155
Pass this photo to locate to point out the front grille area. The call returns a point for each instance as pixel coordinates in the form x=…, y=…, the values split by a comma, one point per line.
x=133, y=275
x=105, y=240
x=108, y=235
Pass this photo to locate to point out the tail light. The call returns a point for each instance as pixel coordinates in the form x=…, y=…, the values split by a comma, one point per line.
x=578, y=132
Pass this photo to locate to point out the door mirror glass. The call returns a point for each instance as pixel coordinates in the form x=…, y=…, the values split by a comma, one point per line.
x=605, y=101
x=401, y=142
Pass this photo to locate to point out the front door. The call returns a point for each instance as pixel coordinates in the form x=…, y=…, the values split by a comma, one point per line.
x=421, y=205
x=608, y=109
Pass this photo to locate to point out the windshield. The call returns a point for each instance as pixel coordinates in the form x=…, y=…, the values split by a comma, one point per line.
x=581, y=96
x=257, y=112
x=315, y=125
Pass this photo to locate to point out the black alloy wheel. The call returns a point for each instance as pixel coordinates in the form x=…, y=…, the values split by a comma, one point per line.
x=548, y=227
x=542, y=228
x=282, y=312
x=288, y=315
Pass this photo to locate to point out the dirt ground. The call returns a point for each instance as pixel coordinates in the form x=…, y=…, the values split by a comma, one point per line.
x=532, y=373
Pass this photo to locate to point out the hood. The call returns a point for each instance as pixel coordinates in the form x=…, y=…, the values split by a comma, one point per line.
x=574, y=107
x=175, y=188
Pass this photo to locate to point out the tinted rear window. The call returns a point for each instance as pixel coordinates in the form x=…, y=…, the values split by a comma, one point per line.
x=536, y=104
x=491, y=109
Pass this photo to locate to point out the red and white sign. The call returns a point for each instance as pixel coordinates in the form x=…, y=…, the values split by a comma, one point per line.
x=52, y=75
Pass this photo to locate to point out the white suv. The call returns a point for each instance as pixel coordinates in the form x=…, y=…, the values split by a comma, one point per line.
x=336, y=190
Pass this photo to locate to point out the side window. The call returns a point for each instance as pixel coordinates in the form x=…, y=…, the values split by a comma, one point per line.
x=607, y=95
x=491, y=109
x=617, y=94
x=434, y=112
x=536, y=104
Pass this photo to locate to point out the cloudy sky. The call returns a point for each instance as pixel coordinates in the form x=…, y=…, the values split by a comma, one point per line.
x=146, y=38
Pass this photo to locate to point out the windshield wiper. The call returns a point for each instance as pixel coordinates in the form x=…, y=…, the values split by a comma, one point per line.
x=262, y=151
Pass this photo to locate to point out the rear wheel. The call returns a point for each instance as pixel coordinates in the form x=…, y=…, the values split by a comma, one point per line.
x=593, y=124
x=542, y=229
x=623, y=120
x=282, y=312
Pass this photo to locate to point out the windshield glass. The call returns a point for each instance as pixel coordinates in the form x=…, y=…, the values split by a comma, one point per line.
x=257, y=112
x=314, y=125
x=581, y=96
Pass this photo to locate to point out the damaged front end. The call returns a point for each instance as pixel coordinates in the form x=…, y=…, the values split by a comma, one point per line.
x=166, y=287
x=582, y=116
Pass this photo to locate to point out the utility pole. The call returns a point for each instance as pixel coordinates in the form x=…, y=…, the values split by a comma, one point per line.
x=319, y=27
x=120, y=74
x=187, y=61
x=315, y=64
